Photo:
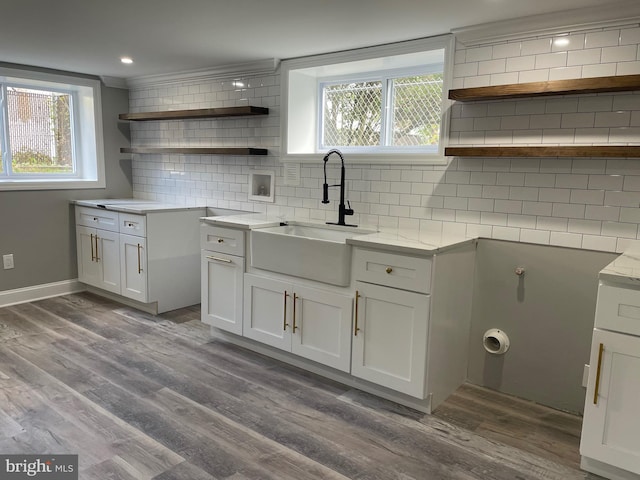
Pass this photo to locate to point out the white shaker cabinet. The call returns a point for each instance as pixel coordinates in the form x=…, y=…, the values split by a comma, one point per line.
x=610, y=442
x=310, y=322
x=152, y=258
x=98, y=258
x=412, y=320
x=390, y=338
x=222, y=270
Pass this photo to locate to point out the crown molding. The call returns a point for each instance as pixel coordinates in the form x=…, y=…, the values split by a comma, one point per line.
x=260, y=67
x=114, y=82
x=568, y=21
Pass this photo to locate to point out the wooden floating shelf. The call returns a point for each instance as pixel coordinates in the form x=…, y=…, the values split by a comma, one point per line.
x=556, y=87
x=611, y=151
x=198, y=150
x=195, y=114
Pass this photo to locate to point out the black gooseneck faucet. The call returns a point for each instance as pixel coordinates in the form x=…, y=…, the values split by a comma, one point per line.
x=342, y=210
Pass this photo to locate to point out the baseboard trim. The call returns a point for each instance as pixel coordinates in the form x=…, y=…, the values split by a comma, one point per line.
x=39, y=292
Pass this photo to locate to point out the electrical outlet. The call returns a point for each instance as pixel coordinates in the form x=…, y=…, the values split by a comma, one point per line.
x=7, y=261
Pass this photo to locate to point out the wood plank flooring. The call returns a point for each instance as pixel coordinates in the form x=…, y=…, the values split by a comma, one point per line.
x=143, y=397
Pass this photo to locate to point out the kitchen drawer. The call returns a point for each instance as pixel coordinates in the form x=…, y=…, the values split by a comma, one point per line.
x=133, y=224
x=97, y=218
x=222, y=240
x=393, y=270
x=618, y=309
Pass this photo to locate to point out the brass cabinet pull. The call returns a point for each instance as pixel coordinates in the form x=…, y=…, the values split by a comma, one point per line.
x=355, y=328
x=93, y=257
x=139, y=266
x=220, y=240
x=97, y=258
x=285, y=324
x=218, y=259
x=388, y=270
x=295, y=297
x=597, y=389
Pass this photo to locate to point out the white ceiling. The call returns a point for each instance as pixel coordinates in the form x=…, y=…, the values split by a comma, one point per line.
x=169, y=36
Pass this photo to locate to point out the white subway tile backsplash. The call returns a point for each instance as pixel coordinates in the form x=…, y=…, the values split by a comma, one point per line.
x=628, y=68
x=626, y=53
x=602, y=70
x=506, y=233
x=551, y=60
x=577, y=120
x=562, y=239
x=607, y=38
x=535, y=236
x=580, y=202
x=584, y=57
x=496, y=66
x=532, y=47
x=510, y=50
x=564, y=73
x=596, y=242
x=526, y=76
x=587, y=197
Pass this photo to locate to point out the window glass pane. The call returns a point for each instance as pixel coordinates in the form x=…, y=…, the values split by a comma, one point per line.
x=416, y=110
x=351, y=114
x=40, y=131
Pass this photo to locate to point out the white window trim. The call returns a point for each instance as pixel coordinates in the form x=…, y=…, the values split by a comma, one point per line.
x=445, y=42
x=89, y=143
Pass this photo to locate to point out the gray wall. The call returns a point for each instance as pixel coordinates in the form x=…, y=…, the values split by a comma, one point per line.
x=548, y=314
x=38, y=227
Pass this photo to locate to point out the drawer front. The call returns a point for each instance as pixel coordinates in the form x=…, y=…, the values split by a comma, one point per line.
x=132, y=224
x=223, y=240
x=97, y=218
x=393, y=270
x=618, y=309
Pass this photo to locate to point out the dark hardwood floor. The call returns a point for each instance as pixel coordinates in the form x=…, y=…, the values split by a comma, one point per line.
x=143, y=397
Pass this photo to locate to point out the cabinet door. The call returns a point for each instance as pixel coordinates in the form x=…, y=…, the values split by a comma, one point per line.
x=321, y=327
x=133, y=267
x=390, y=344
x=108, y=257
x=267, y=311
x=222, y=291
x=88, y=267
x=611, y=421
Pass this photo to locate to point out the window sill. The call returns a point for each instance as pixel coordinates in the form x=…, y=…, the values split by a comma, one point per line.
x=371, y=158
x=66, y=184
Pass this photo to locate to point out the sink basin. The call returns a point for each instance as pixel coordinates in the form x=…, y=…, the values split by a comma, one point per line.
x=314, y=252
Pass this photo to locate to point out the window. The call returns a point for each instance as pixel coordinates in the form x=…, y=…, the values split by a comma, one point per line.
x=50, y=131
x=380, y=104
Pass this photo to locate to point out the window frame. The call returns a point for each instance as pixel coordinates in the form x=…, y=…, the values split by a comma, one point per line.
x=87, y=134
x=299, y=106
x=386, y=78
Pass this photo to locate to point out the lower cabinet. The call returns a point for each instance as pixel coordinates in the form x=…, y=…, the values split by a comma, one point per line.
x=98, y=258
x=133, y=267
x=309, y=322
x=390, y=338
x=611, y=422
x=222, y=290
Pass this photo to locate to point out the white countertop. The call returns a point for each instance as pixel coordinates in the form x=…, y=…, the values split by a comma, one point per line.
x=396, y=240
x=624, y=269
x=133, y=205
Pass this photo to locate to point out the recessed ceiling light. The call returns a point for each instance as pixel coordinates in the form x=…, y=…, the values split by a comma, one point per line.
x=126, y=60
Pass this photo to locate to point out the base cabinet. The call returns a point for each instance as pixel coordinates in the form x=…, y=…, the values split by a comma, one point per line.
x=390, y=338
x=133, y=267
x=151, y=258
x=611, y=420
x=98, y=258
x=309, y=322
x=222, y=290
